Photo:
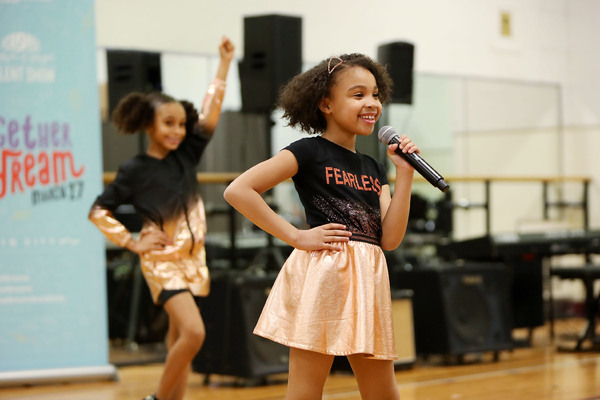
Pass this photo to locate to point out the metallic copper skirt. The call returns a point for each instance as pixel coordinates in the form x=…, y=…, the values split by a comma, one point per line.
x=181, y=265
x=330, y=302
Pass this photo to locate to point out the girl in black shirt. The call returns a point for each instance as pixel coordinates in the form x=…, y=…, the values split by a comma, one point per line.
x=161, y=184
x=332, y=296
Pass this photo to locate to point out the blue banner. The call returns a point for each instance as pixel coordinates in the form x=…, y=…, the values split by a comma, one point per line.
x=52, y=261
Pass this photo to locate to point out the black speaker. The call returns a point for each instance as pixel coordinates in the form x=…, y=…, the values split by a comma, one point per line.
x=460, y=309
x=398, y=57
x=131, y=71
x=230, y=313
x=527, y=292
x=272, y=56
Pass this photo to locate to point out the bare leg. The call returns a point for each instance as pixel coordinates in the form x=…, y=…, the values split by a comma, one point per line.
x=376, y=378
x=181, y=385
x=185, y=337
x=307, y=375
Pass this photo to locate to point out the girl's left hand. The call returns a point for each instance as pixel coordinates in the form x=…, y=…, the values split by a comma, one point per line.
x=407, y=146
x=226, y=48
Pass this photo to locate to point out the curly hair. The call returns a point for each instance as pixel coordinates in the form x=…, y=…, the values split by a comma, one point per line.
x=135, y=111
x=191, y=115
x=300, y=97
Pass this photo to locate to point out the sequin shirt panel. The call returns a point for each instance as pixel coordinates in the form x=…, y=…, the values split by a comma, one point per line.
x=337, y=185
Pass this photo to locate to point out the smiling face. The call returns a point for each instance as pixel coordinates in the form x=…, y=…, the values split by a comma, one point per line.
x=353, y=105
x=168, y=129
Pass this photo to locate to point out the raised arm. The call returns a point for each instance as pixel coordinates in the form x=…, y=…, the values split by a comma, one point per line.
x=211, y=106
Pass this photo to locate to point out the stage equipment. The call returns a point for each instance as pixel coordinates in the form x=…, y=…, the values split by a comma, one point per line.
x=501, y=246
x=459, y=309
x=128, y=71
x=404, y=331
x=398, y=57
x=131, y=71
x=588, y=274
x=272, y=56
x=523, y=254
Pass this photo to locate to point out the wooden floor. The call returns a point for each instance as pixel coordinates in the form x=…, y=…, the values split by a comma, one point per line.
x=537, y=371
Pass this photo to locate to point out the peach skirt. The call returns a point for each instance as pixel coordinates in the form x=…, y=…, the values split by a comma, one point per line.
x=336, y=303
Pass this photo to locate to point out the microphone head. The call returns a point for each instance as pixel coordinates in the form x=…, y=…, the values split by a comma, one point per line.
x=386, y=134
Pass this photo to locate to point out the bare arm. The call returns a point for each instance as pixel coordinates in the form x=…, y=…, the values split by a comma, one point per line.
x=395, y=209
x=244, y=194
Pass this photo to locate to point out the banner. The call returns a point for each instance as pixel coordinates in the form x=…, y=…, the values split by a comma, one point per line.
x=52, y=261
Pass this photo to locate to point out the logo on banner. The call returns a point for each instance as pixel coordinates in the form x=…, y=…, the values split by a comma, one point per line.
x=37, y=155
x=21, y=60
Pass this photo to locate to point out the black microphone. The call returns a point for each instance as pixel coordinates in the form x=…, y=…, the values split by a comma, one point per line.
x=388, y=135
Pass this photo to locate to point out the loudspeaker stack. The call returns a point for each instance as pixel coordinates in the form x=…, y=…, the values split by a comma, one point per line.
x=460, y=309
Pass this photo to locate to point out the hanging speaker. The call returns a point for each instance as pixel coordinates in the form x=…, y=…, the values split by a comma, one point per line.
x=128, y=71
x=230, y=313
x=398, y=57
x=272, y=56
x=460, y=309
x=131, y=71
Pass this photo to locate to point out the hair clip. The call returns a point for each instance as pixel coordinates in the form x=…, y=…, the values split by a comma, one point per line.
x=330, y=68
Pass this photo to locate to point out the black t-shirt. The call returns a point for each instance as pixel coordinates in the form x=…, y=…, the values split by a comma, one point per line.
x=159, y=189
x=337, y=185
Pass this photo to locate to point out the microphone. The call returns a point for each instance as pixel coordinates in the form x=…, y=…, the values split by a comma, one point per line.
x=388, y=135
